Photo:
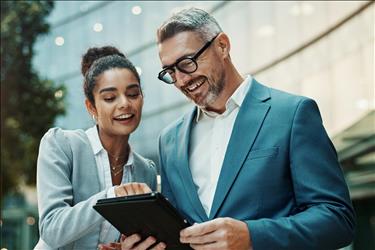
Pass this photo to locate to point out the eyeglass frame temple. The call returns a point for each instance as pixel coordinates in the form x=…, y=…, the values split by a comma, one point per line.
x=204, y=48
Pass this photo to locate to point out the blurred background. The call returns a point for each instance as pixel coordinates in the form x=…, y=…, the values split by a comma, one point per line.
x=320, y=49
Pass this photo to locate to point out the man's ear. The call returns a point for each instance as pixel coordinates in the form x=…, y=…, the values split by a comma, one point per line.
x=223, y=44
x=91, y=108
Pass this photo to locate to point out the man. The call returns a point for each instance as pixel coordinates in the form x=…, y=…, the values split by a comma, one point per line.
x=252, y=166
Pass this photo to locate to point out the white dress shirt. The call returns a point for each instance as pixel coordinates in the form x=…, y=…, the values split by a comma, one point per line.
x=209, y=140
x=107, y=233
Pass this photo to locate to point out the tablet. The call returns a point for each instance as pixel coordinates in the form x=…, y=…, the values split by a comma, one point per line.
x=148, y=214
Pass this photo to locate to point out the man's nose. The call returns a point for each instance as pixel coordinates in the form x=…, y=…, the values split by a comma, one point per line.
x=182, y=78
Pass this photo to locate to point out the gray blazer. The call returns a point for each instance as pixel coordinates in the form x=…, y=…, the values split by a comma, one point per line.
x=68, y=187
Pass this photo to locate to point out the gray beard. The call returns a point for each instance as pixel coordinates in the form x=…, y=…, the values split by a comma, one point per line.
x=213, y=92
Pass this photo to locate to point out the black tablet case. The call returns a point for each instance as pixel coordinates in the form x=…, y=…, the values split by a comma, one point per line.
x=147, y=215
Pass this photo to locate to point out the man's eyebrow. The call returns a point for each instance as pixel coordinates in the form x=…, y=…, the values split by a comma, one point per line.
x=178, y=59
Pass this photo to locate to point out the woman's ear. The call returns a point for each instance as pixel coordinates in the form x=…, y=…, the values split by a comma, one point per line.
x=91, y=108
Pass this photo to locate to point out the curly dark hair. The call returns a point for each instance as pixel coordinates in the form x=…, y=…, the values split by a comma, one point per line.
x=99, y=59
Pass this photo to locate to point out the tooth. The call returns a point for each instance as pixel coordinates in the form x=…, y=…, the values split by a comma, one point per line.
x=124, y=116
x=195, y=85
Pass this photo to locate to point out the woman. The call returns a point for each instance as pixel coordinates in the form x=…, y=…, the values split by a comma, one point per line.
x=76, y=167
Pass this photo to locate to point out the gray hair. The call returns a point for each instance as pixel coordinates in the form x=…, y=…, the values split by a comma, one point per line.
x=191, y=19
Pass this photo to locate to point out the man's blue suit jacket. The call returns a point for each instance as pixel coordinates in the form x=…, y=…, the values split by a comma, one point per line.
x=280, y=174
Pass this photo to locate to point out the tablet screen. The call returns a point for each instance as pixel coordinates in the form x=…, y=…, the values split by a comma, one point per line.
x=147, y=215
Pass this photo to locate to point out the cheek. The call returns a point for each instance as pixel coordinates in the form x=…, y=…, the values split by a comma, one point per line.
x=138, y=105
x=217, y=73
x=218, y=65
x=212, y=71
x=104, y=114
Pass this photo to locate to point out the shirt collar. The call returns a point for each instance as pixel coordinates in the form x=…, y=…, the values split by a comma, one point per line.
x=93, y=135
x=235, y=100
x=130, y=158
x=97, y=147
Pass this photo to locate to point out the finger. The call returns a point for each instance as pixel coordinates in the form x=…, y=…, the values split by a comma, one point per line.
x=145, y=188
x=124, y=190
x=199, y=229
x=209, y=238
x=107, y=247
x=209, y=246
x=120, y=191
x=137, y=188
x=123, y=237
x=130, y=241
x=159, y=246
x=129, y=188
x=115, y=245
x=146, y=243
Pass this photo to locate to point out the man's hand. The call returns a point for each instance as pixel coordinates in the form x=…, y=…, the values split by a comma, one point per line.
x=131, y=189
x=220, y=233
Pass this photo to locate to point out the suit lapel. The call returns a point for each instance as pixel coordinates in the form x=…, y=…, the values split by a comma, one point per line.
x=182, y=164
x=245, y=130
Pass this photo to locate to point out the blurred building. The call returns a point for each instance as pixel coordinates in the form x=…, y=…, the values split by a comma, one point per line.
x=320, y=49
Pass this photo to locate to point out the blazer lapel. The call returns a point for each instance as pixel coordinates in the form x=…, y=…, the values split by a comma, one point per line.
x=245, y=130
x=182, y=164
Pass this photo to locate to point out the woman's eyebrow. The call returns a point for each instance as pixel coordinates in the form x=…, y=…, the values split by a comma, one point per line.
x=107, y=89
x=133, y=85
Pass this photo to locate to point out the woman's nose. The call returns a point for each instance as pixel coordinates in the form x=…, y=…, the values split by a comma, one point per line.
x=124, y=102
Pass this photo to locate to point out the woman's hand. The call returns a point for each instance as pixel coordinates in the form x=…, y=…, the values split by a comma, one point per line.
x=110, y=246
x=131, y=189
x=133, y=243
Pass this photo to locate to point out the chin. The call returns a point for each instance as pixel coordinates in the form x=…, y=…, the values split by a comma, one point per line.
x=200, y=104
x=199, y=101
x=124, y=131
x=204, y=103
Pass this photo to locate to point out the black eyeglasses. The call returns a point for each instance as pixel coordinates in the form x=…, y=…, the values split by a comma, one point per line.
x=187, y=65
